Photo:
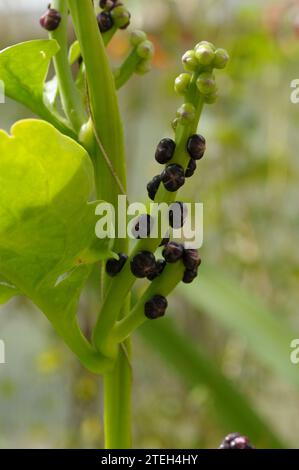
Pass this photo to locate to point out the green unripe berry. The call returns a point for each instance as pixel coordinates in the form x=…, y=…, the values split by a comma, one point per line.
x=121, y=16
x=189, y=61
x=212, y=98
x=182, y=83
x=143, y=67
x=204, y=54
x=206, y=83
x=205, y=43
x=186, y=113
x=221, y=58
x=137, y=37
x=145, y=50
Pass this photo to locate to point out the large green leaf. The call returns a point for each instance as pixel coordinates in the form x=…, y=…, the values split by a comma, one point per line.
x=23, y=69
x=47, y=225
x=194, y=368
x=268, y=334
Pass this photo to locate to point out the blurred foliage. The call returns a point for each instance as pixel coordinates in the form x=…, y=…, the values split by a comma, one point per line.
x=248, y=183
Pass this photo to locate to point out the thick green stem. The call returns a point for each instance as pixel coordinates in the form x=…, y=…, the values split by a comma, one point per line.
x=127, y=69
x=70, y=97
x=108, y=130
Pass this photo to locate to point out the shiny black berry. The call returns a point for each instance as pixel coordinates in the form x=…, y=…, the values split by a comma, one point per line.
x=160, y=265
x=50, y=19
x=114, y=266
x=165, y=151
x=236, y=441
x=107, y=4
x=173, y=177
x=190, y=168
x=191, y=259
x=196, y=146
x=190, y=275
x=143, y=226
x=153, y=187
x=143, y=264
x=172, y=252
x=105, y=21
x=155, y=307
x=177, y=214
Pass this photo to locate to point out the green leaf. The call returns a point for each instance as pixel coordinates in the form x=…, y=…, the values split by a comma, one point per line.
x=23, y=69
x=47, y=225
x=195, y=368
x=268, y=335
x=7, y=291
x=74, y=52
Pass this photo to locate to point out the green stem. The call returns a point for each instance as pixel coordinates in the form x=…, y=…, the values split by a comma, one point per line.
x=53, y=118
x=127, y=69
x=70, y=96
x=163, y=285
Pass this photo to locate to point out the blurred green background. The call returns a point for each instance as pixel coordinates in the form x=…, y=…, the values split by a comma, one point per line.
x=220, y=361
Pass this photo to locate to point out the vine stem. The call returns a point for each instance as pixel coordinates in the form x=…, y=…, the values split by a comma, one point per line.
x=108, y=128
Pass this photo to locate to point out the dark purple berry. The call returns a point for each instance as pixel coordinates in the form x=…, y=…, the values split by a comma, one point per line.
x=165, y=241
x=173, y=177
x=165, y=151
x=189, y=275
x=190, y=168
x=153, y=187
x=143, y=227
x=160, y=265
x=172, y=252
x=191, y=259
x=107, y=4
x=50, y=19
x=143, y=264
x=105, y=21
x=236, y=441
x=155, y=307
x=196, y=146
x=177, y=214
x=114, y=266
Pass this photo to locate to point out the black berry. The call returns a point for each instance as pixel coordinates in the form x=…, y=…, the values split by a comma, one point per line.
x=177, y=214
x=155, y=307
x=190, y=168
x=153, y=187
x=196, y=146
x=114, y=266
x=236, y=441
x=189, y=276
x=143, y=226
x=173, y=177
x=107, y=4
x=50, y=19
x=143, y=264
x=191, y=259
x=160, y=265
x=172, y=252
x=165, y=151
x=105, y=21
x=164, y=241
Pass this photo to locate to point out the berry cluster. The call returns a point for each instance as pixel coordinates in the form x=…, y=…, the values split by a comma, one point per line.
x=50, y=20
x=144, y=50
x=173, y=176
x=173, y=252
x=113, y=14
x=236, y=441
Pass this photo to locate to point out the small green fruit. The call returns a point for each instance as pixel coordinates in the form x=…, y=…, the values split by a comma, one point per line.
x=189, y=61
x=206, y=83
x=137, y=37
x=143, y=67
x=205, y=43
x=204, y=54
x=182, y=83
x=121, y=16
x=145, y=50
x=221, y=58
x=186, y=113
x=212, y=98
